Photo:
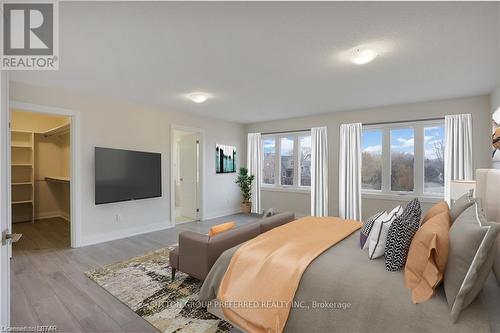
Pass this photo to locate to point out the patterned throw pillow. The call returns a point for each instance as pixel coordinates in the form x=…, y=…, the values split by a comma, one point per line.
x=400, y=234
x=398, y=210
x=378, y=236
x=367, y=227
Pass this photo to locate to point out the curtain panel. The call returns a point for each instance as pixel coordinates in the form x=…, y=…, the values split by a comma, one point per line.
x=350, y=171
x=458, y=164
x=254, y=165
x=319, y=171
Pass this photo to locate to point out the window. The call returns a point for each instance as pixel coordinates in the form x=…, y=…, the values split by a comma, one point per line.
x=289, y=157
x=371, y=157
x=403, y=159
x=269, y=148
x=305, y=160
x=434, y=160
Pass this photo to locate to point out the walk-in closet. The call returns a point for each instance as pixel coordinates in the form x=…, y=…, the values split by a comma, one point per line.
x=40, y=178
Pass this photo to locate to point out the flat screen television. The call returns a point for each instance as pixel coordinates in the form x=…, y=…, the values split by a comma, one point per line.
x=122, y=175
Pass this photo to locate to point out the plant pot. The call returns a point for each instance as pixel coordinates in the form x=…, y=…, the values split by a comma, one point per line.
x=246, y=207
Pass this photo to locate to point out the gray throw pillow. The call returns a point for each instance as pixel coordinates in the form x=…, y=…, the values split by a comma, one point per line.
x=461, y=204
x=471, y=254
x=271, y=212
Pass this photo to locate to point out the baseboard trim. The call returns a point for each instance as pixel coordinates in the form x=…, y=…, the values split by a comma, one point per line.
x=130, y=232
x=221, y=214
x=48, y=215
x=22, y=219
x=65, y=216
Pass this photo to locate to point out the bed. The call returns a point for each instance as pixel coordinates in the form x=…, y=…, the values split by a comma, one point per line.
x=364, y=297
x=379, y=300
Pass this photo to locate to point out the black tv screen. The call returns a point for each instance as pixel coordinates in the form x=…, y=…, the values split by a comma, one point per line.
x=122, y=175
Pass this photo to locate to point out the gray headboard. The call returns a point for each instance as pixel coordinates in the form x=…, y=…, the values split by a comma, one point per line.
x=488, y=190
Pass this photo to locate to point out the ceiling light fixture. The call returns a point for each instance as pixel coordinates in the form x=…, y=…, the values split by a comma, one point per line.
x=361, y=57
x=367, y=51
x=198, y=97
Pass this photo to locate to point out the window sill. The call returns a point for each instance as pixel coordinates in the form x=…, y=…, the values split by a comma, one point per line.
x=285, y=189
x=401, y=197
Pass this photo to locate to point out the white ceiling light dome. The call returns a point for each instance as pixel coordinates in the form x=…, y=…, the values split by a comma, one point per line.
x=199, y=97
x=361, y=57
x=365, y=53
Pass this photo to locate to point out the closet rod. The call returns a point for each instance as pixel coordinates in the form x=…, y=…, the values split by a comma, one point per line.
x=402, y=121
x=284, y=132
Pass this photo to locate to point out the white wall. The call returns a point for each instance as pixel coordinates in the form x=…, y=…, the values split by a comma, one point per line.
x=495, y=99
x=478, y=106
x=116, y=124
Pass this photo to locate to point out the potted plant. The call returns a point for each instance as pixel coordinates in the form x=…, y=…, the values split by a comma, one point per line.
x=244, y=180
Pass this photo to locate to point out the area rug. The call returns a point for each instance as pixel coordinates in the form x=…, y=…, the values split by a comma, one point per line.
x=144, y=284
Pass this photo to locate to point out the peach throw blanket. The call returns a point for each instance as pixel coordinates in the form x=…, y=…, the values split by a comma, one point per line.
x=259, y=286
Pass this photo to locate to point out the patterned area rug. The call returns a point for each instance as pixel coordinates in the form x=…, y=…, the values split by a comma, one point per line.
x=144, y=284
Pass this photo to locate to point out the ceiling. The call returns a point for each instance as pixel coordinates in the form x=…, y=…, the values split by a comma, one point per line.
x=265, y=61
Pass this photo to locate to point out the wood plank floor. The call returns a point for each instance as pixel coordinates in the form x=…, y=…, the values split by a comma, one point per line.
x=48, y=285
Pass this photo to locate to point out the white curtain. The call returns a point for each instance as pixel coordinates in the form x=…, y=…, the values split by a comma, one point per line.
x=458, y=150
x=254, y=164
x=350, y=171
x=319, y=172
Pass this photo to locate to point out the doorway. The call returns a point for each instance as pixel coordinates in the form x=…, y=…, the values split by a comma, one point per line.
x=63, y=181
x=186, y=156
x=6, y=180
x=40, y=164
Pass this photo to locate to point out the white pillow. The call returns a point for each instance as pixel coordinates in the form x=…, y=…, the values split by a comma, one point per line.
x=378, y=235
x=397, y=211
x=382, y=217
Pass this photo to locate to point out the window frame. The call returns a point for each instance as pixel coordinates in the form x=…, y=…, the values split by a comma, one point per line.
x=418, y=166
x=277, y=186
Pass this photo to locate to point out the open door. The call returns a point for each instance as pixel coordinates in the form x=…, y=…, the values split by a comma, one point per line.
x=5, y=218
x=188, y=167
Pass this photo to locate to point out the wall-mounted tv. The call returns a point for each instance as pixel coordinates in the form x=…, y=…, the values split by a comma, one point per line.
x=122, y=175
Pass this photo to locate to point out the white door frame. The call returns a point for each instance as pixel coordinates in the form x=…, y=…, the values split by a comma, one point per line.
x=5, y=222
x=201, y=162
x=75, y=190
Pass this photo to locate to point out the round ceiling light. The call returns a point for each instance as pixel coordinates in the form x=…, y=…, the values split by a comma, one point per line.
x=361, y=57
x=198, y=97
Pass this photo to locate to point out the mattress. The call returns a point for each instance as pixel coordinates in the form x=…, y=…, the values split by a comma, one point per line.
x=343, y=291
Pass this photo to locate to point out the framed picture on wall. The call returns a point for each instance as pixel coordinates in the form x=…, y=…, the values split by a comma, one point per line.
x=225, y=158
x=496, y=139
